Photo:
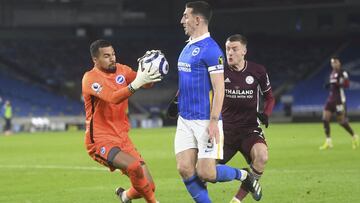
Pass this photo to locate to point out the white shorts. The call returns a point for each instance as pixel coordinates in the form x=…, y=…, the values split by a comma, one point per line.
x=192, y=134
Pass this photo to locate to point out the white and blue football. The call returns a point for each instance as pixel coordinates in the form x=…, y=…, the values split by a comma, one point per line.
x=155, y=59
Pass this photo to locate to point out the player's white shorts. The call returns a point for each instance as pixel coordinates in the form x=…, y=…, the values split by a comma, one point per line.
x=192, y=134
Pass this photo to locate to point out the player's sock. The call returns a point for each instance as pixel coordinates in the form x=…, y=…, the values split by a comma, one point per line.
x=257, y=174
x=131, y=193
x=226, y=173
x=139, y=182
x=235, y=200
x=347, y=128
x=242, y=192
x=327, y=128
x=197, y=189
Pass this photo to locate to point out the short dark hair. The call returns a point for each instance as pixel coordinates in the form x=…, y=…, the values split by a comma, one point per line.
x=237, y=37
x=201, y=8
x=336, y=57
x=96, y=45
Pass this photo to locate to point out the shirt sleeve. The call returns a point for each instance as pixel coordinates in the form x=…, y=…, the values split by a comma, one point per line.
x=130, y=74
x=214, y=60
x=96, y=86
x=264, y=81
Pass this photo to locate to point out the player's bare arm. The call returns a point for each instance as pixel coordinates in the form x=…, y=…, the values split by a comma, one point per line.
x=217, y=82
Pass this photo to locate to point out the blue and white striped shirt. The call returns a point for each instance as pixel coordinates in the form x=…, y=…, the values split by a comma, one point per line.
x=199, y=58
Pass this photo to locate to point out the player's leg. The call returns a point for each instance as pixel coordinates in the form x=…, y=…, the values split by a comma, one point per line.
x=343, y=121
x=186, y=158
x=254, y=150
x=207, y=168
x=326, y=122
x=186, y=162
x=229, y=153
x=132, y=193
x=133, y=168
x=209, y=152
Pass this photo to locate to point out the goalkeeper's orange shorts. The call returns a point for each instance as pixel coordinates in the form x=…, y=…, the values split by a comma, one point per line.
x=99, y=150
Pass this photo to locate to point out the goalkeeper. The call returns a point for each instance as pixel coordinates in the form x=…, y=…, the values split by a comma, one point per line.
x=106, y=89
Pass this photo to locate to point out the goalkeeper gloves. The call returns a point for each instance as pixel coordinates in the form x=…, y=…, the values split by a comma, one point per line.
x=264, y=119
x=172, y=111
x=144, y=76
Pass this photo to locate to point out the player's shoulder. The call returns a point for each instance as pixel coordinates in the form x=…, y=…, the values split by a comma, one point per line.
x=120, y=66
x=255, y=67
x=90, y=74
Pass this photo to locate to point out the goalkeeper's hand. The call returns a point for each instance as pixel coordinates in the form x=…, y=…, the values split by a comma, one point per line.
x=264, y=119
x=145, y=76
x=172, y=110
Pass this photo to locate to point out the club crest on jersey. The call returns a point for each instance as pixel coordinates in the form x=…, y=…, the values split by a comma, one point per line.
x=196, y=51
x=249, y=80
x=102, y=150
x=221, y=60
x=120, y=79
x=96, y=87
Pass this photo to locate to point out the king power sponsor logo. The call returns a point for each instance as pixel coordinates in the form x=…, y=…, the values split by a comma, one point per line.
x=244, y=94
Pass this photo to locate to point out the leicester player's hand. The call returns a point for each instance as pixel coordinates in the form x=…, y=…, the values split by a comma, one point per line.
x=172, y=110
x=327, y=85
x=264, y=119
x=144, y=76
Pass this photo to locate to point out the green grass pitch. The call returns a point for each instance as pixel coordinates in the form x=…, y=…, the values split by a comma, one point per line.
x=54, y=167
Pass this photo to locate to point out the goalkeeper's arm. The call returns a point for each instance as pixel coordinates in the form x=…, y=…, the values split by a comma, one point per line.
x=142, y=78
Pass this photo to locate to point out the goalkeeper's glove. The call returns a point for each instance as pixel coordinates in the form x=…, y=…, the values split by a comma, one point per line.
x=172, y=111
x=144, y=76
x=264, y=119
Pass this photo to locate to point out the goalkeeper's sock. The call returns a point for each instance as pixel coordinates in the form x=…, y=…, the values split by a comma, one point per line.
x=226, y=173
x=197, y=189
x=139, y=181
x=131, y=193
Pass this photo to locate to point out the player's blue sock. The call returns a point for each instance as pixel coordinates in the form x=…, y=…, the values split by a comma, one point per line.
x=226, y=173
x=197, y=189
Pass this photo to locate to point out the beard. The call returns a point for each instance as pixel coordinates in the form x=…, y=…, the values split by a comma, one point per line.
x=110, y=69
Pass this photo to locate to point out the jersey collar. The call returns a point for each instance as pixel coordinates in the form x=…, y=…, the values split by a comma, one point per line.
x=192, y=41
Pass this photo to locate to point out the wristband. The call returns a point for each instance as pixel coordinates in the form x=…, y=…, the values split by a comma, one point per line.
x=131, y=89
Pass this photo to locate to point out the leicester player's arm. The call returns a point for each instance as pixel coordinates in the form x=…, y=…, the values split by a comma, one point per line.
x=269, y=100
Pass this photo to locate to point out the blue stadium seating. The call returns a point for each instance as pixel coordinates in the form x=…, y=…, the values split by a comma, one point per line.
x=31, y=100
x=309, y=95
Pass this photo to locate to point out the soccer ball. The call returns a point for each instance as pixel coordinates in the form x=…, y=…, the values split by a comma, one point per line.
x=155, y=59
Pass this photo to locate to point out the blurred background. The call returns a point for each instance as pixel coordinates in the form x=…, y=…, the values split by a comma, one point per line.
x=44, y=52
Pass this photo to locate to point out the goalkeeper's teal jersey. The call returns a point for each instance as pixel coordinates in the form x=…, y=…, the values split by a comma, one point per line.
x=199, y=58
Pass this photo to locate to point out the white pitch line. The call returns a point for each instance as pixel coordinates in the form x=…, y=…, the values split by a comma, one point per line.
x=81, y=168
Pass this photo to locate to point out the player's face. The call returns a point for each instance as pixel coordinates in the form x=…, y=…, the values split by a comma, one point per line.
x=235, y=52
x=106, y=59
x=335, y=64
x=188, y=21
